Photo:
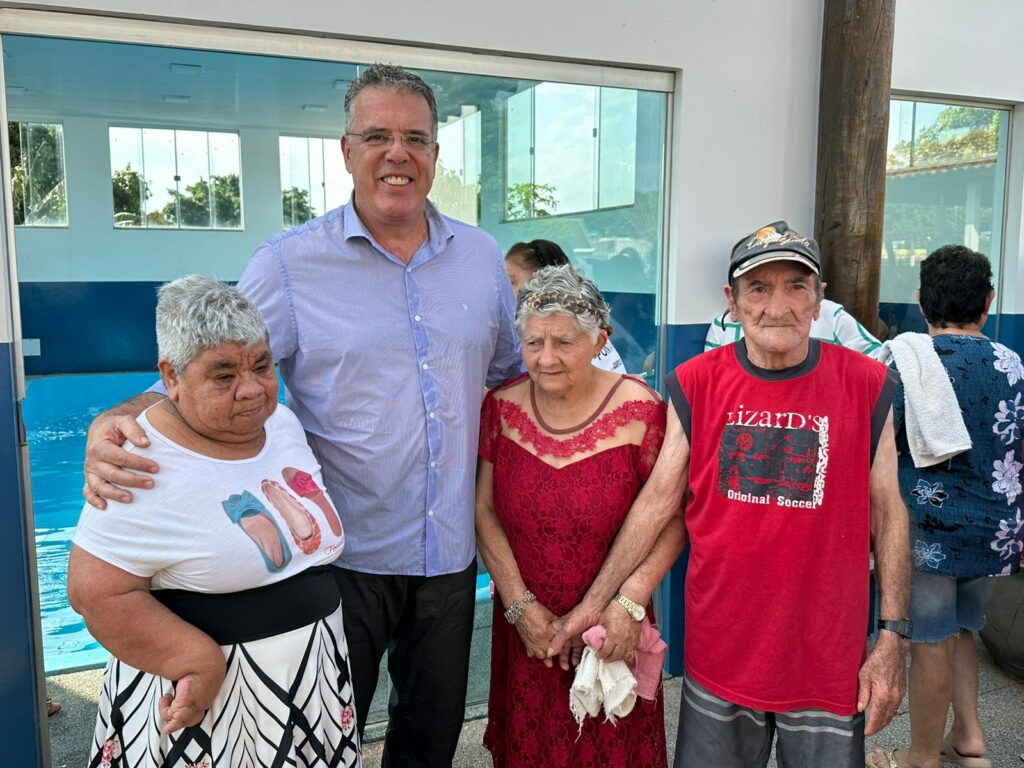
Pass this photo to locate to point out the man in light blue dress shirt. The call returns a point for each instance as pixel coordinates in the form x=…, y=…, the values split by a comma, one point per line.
x=387, y=320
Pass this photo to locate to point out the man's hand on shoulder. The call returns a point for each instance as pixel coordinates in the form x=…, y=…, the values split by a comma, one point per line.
x=107, y=463
x=882, y=681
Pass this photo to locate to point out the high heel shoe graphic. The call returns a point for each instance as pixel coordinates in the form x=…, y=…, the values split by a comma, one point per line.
x=303, y=527
x=246, y=511
x=305, y=486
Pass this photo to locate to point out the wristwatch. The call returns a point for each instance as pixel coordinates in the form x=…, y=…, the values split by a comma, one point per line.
x=635, y=610
x=902, y=627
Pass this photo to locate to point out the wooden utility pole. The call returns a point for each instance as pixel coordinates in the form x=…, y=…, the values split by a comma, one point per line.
x=853, y=121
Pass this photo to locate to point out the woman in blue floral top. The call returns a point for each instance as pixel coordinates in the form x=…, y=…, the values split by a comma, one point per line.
x=966, y=513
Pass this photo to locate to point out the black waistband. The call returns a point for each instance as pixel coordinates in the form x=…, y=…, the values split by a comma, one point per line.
x=253, y=614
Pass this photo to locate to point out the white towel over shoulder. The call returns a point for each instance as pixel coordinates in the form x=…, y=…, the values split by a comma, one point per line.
x=934, y=424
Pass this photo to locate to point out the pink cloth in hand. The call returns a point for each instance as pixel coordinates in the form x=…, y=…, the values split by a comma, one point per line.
x=649, y=656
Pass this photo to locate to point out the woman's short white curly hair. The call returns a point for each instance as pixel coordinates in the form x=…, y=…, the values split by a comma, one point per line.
x=194, y=313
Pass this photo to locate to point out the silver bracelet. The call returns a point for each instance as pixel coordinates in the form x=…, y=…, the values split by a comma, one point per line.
x=516, y=610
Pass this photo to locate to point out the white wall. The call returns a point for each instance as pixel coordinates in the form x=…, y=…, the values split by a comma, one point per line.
x=956, y=48
x=745, y=111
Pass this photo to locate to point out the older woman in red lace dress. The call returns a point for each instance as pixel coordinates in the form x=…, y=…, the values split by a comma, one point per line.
x=564, y=450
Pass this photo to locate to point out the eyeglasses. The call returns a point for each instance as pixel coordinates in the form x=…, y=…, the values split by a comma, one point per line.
x=413, y=142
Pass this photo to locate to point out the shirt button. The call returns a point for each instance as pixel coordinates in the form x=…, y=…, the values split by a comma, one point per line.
x=425, y=366
x=432, y=415
x=418, y=318
x=433, y=465
x=430, y=513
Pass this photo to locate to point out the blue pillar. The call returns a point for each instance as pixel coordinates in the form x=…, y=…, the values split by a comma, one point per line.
x=23, y=729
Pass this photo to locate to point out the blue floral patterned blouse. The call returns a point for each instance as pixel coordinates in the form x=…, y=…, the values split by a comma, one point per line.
x=967, y=514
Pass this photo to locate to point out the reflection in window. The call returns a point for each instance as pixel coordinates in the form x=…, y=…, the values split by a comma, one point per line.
x=37, y=174
x=165, y=178
x=313, y=178
x=945, y=180
x=456, y=189
x=570, y=148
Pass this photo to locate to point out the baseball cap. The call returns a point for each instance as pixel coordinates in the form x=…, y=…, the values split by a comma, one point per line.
x=774, y=242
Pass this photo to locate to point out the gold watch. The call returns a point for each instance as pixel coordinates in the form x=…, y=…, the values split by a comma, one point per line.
x=635, y=610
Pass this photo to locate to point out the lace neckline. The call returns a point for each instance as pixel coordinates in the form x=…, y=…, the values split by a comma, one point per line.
x=586, y=441
x=582, y=425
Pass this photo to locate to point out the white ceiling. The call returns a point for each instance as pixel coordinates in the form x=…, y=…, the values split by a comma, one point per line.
x=53, y=77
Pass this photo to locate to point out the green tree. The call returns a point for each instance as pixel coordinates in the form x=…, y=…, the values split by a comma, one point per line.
x=37, y=173
x=295, y=206
x=194, y=207
x=130, y=190
x=528, y=200
x=959, y=135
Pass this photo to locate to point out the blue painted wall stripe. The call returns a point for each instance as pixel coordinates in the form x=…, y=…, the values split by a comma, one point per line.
x=21, y=724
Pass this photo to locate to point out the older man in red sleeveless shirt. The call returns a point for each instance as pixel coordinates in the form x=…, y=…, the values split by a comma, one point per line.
x=786, y=447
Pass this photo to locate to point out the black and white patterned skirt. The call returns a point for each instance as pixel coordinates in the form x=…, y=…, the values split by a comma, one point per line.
x=286, y=700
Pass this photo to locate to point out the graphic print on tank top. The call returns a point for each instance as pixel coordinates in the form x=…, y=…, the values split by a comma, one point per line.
x=773, y=457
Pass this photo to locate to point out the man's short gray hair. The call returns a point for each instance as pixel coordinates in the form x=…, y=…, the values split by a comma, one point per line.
x=563, y=290
x=194, y=313
x=393, y=78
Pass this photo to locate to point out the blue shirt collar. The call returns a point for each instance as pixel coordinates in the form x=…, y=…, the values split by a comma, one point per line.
x=438, y=229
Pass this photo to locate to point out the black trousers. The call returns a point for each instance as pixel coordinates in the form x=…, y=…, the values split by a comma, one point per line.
x=425, y=623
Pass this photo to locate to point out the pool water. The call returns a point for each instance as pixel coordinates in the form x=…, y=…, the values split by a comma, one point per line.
x=57, y=412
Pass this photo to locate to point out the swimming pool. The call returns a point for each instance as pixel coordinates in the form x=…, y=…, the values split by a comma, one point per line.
x=57, y=412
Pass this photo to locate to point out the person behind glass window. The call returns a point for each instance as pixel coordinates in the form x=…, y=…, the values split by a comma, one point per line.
x=524, y=259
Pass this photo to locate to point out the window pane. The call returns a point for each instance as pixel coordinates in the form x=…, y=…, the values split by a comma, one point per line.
x=455, y=191
x=224, y=180
x=158, y=162
x=168, y=178
x=945, y=182
x=313, y=178
x=565, y=159
x=194, y=196
x=45, y=200
x=129, y=184
x=521, y=195
x=37, y=174
x=316, y=176
x=617, y=148
x=337, y=181
x=295, y=203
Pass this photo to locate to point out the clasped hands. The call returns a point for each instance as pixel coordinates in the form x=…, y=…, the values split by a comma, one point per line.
x=549, y=638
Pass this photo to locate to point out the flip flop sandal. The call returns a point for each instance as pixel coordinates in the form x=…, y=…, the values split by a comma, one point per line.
x=950, y=754
x=296, y=516
x=246, y=511
x=888, y=756
x=52, y=707
x=303, y=484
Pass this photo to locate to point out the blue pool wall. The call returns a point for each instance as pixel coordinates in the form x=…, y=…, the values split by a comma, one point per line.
x=91, y=327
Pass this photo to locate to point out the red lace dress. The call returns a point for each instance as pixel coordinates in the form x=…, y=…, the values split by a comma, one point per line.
x=561, y=502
